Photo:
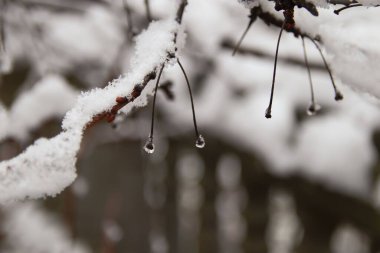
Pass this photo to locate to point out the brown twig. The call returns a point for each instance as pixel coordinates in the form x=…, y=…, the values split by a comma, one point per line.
x=269, y=19
x=350, y=6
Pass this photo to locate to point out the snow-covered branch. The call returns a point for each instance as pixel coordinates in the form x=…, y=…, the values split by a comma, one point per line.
x=48, y=166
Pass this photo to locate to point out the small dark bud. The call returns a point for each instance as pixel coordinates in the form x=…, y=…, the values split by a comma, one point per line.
x=338, y=96
x=139, y=87
x=121, y=100
x=268, y=113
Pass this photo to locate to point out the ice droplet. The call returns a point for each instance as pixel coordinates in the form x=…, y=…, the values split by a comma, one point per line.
x=149, y=146
x=200, y=142
x=313, y=109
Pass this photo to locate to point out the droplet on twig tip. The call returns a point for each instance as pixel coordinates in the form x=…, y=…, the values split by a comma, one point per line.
x=313, y=109
x=200, y=142
x=149, y=146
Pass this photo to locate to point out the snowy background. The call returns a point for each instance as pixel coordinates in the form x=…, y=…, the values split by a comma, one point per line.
x=292, y=183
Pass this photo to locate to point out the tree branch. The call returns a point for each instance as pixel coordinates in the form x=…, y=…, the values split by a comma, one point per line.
x=138, y=88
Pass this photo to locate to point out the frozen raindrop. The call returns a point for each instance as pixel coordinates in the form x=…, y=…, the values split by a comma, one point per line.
x=313, y=109
x=149, y=146
x=200, y=142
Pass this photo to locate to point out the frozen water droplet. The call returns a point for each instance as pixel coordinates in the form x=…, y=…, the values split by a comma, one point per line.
x=149, y=146
x=313, y=109
x=200, y=142
x=5, y=63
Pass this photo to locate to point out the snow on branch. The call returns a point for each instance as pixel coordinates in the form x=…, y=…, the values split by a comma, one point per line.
x=48, y=166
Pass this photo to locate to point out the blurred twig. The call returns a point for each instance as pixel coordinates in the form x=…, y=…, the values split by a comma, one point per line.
x=228, y=44
x=148, y=11
x=128, y=15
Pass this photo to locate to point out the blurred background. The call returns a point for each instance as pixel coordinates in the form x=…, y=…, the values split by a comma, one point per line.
x=294, y=183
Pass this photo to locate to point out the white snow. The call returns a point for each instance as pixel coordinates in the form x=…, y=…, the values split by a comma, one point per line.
x=31, y=229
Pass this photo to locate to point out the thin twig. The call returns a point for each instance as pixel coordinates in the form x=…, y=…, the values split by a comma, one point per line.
x=338, y=94
x=191, y=98
x=243, y=36
x=147, y=9
x=268, y=112
x=308, y=71
x=154, y=101
x=350, y=6
x=128, y=15
x=3, y=6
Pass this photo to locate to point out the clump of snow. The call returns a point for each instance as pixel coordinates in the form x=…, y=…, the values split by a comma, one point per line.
x=154, y=41
x=349, y=149
x=52, y=96
x=48, y=166
x=28, y=228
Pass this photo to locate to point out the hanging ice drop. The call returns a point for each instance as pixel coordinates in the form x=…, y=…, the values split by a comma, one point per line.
x=313, y=109
x=149, y=146
x=200, y=142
